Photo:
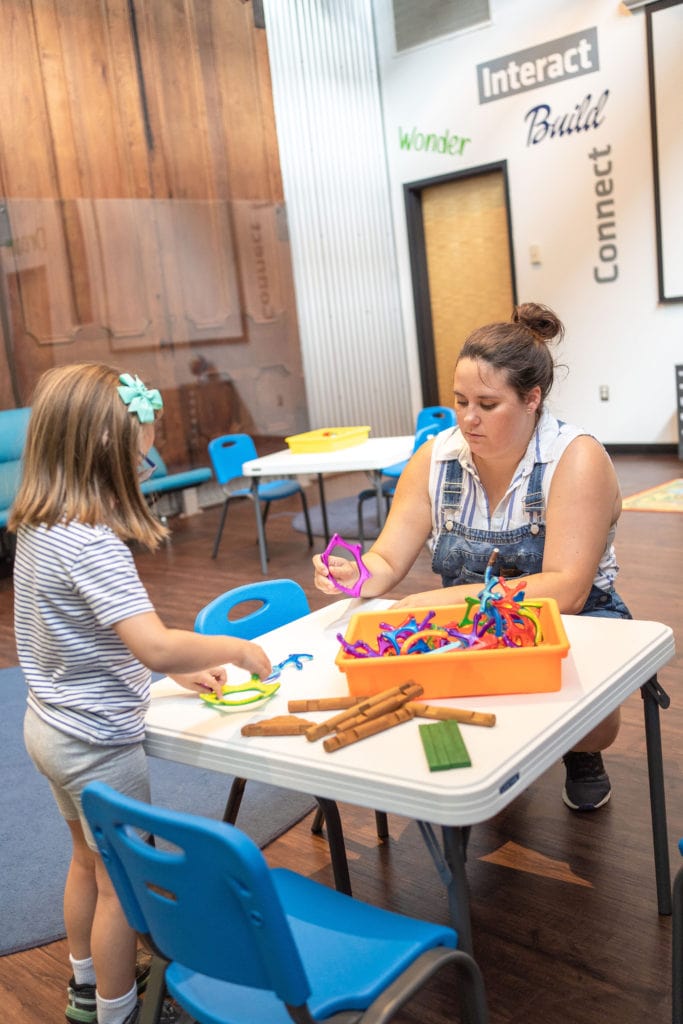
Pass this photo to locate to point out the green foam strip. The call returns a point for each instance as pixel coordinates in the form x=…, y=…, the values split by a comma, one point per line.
x=444, y=746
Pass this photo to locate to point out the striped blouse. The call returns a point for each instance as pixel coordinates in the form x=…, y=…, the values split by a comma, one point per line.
x=72, y=582
x=548, y=443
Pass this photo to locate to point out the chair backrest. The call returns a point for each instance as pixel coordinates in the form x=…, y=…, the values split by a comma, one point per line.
x=425, y=434
x=441, y=415
x=207, y=901
x=228, y=453
x=160, y=468
x=13, y=427
x=282, y=601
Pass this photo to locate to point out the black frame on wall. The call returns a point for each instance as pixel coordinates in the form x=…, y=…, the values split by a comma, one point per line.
x=412, y=192
x=655, y=126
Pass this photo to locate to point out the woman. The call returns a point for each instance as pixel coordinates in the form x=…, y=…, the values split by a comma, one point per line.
x=513, y=477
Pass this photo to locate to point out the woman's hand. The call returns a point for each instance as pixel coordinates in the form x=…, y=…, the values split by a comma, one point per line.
x=341, y=568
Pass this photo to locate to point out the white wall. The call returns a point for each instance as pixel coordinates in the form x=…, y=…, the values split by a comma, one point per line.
x=616, y=332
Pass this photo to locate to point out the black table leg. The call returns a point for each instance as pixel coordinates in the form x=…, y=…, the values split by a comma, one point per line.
x=335, y=838
x=451, y=867
x=323, y=508
x=655, y=698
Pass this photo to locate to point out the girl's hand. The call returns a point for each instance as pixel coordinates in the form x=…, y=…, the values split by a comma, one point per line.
x=210, y=681
x=252, y=658
x=342, y=569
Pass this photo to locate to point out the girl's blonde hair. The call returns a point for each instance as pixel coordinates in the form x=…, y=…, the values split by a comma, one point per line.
x=81, y=457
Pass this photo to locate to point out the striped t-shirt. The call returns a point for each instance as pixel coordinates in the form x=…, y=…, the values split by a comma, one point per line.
x=72, y=582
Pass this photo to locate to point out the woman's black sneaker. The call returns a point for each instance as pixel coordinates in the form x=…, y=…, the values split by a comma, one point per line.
x=587, y=784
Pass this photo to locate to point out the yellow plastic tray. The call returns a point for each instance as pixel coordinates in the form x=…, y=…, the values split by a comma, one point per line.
x=456, y=673
x=327, y=439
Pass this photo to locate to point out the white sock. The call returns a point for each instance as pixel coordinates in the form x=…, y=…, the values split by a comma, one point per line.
x=115, y=1011
x=84, y=972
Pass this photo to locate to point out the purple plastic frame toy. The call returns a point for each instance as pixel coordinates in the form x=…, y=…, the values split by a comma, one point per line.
x=337, y=542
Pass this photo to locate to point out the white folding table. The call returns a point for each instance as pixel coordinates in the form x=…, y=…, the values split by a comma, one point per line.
x=608, y=660
x=371, y=456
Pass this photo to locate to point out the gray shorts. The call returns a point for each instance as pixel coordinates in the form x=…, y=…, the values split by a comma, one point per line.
x=69, y=764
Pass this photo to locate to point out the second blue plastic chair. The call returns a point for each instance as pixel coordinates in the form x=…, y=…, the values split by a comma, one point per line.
x=425, y=432
x=228, y=454
x=278, y=603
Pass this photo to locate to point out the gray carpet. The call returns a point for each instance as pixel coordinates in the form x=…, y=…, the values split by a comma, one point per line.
x=35, y=841
x=342, y=517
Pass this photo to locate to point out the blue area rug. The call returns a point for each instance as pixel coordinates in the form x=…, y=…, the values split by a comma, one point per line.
x=35, y=842
x=342, y=518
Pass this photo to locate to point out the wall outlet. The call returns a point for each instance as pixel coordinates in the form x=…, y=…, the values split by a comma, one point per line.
x=604, y=393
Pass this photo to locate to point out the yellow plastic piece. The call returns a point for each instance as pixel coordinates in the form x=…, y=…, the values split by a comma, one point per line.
x=327, y=439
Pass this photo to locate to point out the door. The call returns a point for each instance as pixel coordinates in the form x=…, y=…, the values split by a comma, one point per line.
x=463, y=273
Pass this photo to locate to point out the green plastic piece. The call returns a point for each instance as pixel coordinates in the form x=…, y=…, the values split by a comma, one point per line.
x=255, y=690
x=444, y=746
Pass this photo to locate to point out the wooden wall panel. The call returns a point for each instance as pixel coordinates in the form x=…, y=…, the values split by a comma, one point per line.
x=134, y=130
x=26, y=152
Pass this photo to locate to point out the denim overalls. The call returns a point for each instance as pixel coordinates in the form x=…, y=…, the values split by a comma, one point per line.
x=461, y=553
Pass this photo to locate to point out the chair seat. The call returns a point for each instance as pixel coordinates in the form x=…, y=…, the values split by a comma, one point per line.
x=176, y=481
x=269, y=490
x=357, y=953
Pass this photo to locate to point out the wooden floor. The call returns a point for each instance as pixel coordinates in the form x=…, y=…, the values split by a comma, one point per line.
x=564, y=912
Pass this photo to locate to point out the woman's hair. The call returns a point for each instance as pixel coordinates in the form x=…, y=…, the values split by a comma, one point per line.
x=81, y=457
x=519, y=348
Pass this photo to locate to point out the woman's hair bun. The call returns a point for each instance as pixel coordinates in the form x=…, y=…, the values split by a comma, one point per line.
x=540, y=320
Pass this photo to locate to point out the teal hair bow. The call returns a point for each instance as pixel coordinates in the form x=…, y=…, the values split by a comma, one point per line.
x=139, y=399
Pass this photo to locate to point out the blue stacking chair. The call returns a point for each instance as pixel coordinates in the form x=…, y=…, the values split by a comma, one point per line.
x=437, y=417
x=238, y=942
x=278, y=602
x=228, y=453
x=425, y=432
x=441, y=416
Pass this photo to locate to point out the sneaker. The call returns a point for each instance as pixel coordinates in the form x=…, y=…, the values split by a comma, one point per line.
x=587, y=785
x=170, y=1013
x=82, y=1007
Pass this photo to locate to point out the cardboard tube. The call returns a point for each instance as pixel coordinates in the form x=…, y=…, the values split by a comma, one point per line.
x=324, y=704
x=452, y=714
x=317, y=732
x=371, y=728
x=378, y=710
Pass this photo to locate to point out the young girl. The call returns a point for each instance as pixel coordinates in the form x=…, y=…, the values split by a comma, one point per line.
x=88, y=639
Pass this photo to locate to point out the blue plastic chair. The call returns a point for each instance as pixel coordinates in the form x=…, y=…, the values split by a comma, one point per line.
x=441, y=416
x=426, y=432
x=242, y=943
x=228, y=453
x=279, y=602
x=437, y=417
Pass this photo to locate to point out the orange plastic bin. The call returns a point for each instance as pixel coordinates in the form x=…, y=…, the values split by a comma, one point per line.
x=458, y=673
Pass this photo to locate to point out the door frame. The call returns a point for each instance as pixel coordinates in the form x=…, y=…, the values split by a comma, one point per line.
x=412, y=193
